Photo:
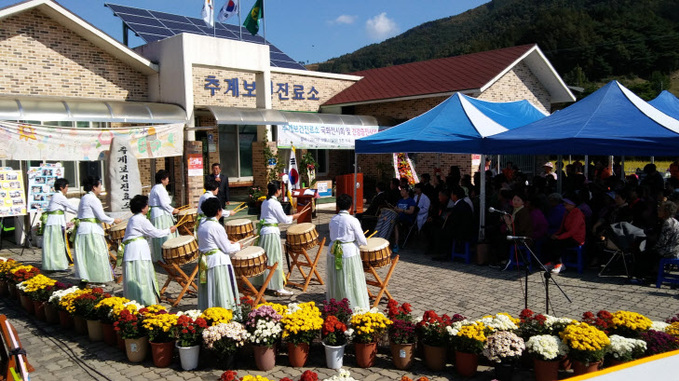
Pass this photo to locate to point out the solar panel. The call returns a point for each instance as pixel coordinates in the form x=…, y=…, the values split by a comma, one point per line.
x=154, y=25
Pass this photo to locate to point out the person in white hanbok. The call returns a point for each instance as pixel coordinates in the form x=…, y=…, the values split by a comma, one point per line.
x=53, y=223
x=91, y=258
x=217, y=281
x=139, y=276
x=161, y=211
x=270, y=238
x=211, y=191
x=344, y=267
x=423, y=204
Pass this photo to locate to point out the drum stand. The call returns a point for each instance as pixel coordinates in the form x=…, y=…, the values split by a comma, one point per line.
x=296, y=262
x=378, y=282
x=113, y=257
x=175, y=273
x=246, y=288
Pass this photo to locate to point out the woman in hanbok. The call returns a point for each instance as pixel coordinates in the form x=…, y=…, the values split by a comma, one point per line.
x=217, y=281
x=139, y=276
x=270, y=238
x=91, y=259
x=344, y=267
x=211, y=191
x=53, y=223
x=161, y=211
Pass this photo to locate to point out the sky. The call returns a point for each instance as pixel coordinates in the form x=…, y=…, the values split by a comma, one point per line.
x=309, y=31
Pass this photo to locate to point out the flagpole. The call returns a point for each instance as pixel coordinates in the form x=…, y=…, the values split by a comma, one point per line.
x=264, y=20
x=240, y=23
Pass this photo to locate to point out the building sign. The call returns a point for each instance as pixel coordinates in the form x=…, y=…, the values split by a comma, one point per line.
x=41, y=185
x=32, y=142
x=12, y=196
x=124, y=180
x=237, y=87
x=314, y=136
x=195, y=164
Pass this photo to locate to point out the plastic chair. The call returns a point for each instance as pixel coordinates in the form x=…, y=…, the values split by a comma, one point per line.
x=577, y=262
x=466, y=255
x=665, y=276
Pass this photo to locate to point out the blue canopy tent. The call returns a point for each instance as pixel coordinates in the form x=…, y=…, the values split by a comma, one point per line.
x=667, y=103
x=610, y=121
x=456, y=125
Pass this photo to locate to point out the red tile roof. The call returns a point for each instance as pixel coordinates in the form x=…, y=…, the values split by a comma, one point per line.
x=471, y=71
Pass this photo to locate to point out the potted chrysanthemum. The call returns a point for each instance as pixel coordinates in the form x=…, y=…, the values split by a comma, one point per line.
x=503, y=348
x=587, y=346
x=264, y=332
x=188, y=330
x=547, y=351
x=301, y=324
x=402, y=334
x=368, y=326
x=468, y=341
x=335, y=335
x=161, y=336
x=224, y=339
x=623, y=349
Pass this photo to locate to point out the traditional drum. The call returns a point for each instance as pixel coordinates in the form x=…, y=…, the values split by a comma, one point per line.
x=385, y=223
x=180, y=250
x=117, y=232
x=376, y=253
x=188, y=218
x=239, y=229
x=302, y=236
x=249, y=262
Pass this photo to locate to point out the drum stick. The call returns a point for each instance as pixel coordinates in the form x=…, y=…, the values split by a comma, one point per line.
x=308, y=207
x=366, y=232
x=237, y=209
x=248, y=240
x=370, y=236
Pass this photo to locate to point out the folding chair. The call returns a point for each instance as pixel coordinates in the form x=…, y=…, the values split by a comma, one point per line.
x=616, y=254
x=413, y=227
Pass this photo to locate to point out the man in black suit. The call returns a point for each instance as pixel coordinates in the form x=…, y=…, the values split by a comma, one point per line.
x=369, y=217
x=222, y=181
x=459, y=225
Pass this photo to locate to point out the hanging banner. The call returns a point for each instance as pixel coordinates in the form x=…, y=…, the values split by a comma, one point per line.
x=30, y=142
x=195, y=164
x=403, y=167
x=41, y=185
x=314, y=136
x=12, y=196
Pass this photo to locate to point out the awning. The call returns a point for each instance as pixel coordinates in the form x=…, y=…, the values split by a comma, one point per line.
x=41, y=109
x=256, y=116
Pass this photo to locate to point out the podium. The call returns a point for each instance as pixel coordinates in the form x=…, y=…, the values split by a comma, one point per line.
x=304, y=197
x=345, y=184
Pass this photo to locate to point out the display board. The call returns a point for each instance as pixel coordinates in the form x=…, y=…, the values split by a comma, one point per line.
x=41, y=185
x=12, y=193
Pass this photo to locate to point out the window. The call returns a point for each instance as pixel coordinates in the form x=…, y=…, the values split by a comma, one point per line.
x=235, y=150
x=321, y=156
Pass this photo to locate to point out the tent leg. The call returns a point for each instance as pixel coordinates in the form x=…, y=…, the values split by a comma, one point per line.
x=587, y=167
x=482, y=200
x=622, y=167
x=355, y=178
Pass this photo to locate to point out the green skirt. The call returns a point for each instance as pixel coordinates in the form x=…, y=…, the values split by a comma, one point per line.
x=53, y=249
x=162, y=222
x=220, y=290
x=139, y=282
x=91, y=258
x=271, y=243
x=349, y=282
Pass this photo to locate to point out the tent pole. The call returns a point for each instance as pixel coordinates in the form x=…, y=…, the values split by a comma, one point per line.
x=587, y=167
x=498, y=166
x=482, y=201
x=559, y=178
x=652, y=159
x=355, y=178
x=622, y=167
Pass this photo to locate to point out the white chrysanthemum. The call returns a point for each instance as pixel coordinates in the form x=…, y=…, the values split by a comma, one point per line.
x=622, y=347
x=552, y=322
x=342, y=375
x=499, y=322
x=193, y=314
x=659, y=326
x=548, y=347
x=57, y=295
x=134, y=303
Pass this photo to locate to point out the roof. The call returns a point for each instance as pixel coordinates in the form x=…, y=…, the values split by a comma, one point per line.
x=444, y=76
x=85, y=30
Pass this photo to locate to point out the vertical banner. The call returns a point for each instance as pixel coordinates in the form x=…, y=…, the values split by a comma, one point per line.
x=41, y=185
x=12, y=196
x=195, y=164
x=123, y=175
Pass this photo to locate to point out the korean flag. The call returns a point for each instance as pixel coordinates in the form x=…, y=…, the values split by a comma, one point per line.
x=229, y=9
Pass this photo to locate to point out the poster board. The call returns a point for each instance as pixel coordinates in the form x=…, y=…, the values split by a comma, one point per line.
x=324, y=188
x=12, y=193
x=41, y=185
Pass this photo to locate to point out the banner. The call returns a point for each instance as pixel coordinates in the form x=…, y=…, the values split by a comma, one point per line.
x=41, y=185
x=314, y=136
x=12, y=196
x=31, y=142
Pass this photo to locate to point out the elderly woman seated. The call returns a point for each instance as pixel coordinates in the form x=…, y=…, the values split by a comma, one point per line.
x=666, y=246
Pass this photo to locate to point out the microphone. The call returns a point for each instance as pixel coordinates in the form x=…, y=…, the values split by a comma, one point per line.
x=493, y=210
x=517, y=237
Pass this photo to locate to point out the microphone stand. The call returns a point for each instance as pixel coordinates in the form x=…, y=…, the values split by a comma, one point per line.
x=547, y=273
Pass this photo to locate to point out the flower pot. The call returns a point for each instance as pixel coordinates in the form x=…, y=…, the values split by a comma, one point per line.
x=136, y=349
x=583, y=368
x=265, y=357
x=51, y=314
x=227, y=361
x=80, y=325
x=504, y=372
x=435, y=357
x=298, y=354
x=334, y=355
x=162, y=353
x=12, y=288
x=120, y=341
x=188, y=356
x=614, y=362
x=94, y=330
x=65, y=319
x=109, y=334
x=466, y=364
x=39, y=308
x=565, y=363
x=4, y=291
x=365, y=354
x=26, y=303
x=546, y=370
x=402, y=355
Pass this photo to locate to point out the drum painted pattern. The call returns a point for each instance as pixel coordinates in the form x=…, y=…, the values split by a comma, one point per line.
x=302, y=236
x=249, y=262
x=180, y=250
x=239, y=229
x=376, y=253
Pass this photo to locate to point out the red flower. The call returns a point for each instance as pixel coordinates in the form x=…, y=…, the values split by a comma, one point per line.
x=229, y=375
x=309, y=376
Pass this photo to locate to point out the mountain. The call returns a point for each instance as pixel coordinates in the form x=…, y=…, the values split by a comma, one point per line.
x=586, y=40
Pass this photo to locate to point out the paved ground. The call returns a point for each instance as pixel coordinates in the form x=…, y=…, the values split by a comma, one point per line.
x=447, y=287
